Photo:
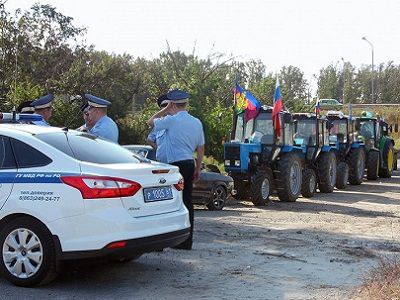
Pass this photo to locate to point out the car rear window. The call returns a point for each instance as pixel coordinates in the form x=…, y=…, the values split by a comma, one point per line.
x=28, y=157
x=88, y=148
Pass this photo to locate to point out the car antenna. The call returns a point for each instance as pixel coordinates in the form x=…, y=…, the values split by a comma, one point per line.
x=74, y=98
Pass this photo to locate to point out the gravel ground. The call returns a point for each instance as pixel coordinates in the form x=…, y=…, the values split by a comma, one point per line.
x=317, y=248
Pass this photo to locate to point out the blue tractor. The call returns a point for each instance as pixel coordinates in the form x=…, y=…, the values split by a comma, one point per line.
x=320, y=162
x=351, y=154
x=260, y=161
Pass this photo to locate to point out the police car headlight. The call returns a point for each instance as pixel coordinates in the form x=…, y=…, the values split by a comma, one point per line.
x=227, y=162
x=237, y=163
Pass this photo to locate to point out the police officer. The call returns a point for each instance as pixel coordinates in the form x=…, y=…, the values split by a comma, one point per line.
x=157, y=138
x=183, y=135
x=26, y=108
x=43, y=107
x=88, y=121
x=104, y=126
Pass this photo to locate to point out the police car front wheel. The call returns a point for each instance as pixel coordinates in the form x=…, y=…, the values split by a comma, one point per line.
x=28, y=255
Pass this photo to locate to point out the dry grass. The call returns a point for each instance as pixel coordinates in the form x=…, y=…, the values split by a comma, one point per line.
x=382, y=282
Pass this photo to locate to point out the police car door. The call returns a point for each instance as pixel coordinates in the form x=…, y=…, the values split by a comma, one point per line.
x=8, y=169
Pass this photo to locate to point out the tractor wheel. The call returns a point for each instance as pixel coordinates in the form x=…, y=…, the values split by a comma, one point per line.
x=356, y=162
x=388, y=159
x=373, y=165
x=327, y=172
x=309, y=183
x=342, y=175
x=261, y=186
x=242, y=189
x=289, y=177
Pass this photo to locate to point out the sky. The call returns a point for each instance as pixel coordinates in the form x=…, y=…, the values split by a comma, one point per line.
x=309, y=34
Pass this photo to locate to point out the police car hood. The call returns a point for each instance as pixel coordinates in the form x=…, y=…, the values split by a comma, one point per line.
x=148, y=175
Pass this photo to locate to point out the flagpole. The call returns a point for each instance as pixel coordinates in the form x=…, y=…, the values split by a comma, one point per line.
x=234, y=119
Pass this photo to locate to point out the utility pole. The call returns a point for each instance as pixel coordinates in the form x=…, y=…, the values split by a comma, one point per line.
x=372, y=67
x=344, y=77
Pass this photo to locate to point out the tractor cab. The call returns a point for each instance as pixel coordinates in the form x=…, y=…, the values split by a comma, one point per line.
x=343, y=132
x=261, y=129
x=262, y=160
x=369, y=132
x=311, y=133
x=350, y=149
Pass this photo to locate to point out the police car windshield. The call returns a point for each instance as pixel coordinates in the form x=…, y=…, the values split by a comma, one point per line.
x=88, y=148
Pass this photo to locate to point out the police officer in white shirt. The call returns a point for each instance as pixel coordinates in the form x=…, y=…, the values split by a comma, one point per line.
x=104, y=126
x=156, y=138
x=43, y=107
x=183, y=136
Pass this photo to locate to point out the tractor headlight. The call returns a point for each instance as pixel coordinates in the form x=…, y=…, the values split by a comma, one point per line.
x=227, y=162
x=237, y=163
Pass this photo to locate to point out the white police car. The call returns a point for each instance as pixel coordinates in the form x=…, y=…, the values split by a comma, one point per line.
x=69, y=195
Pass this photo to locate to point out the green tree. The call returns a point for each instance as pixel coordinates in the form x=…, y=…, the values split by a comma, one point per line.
x=294, y=88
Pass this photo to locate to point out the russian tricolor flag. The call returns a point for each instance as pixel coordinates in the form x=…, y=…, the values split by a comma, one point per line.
x=278, y=107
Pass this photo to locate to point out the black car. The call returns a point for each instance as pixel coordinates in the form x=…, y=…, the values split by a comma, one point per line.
x=212, y=189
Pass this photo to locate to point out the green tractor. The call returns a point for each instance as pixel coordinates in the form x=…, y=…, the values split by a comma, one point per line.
x=379, y=146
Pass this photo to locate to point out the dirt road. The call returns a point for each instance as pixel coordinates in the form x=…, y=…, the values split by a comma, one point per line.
x=310, y=249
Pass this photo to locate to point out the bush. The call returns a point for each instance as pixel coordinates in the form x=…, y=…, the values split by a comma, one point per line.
x=382, y=282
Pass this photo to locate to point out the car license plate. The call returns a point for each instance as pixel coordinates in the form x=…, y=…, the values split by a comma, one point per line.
x=158, y=194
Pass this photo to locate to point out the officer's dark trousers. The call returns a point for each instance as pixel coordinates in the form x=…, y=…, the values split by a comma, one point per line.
x=186, y=168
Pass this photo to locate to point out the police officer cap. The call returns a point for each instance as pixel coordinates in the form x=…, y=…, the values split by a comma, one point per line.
x=162, y=100
x=178, y=96
x=26, y=107
x=96, y=101
x=43, y=102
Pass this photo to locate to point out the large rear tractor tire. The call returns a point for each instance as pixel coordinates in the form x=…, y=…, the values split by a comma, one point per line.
x=289, y=177
x=342, y=175
x=309, y=183
x=388, y=159
x=327, y=172
x=356, y=162
x=373, y=165
x=261, y=186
